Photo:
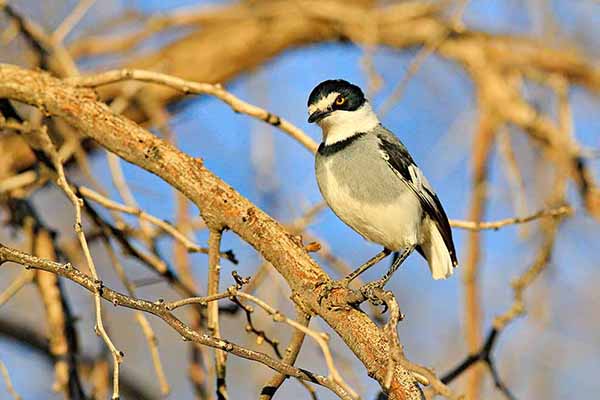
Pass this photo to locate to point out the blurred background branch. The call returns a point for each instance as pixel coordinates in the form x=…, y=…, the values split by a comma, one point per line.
x=496, y=101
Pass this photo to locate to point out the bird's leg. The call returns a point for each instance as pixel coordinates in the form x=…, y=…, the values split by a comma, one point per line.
x=368, y=290
x=395, y=265
x=378, y=257
x=343, y=283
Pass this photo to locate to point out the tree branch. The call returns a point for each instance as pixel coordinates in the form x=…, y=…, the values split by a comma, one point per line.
x=291, y=353
x=160, y=310
x=9, y=385
x=219, y=204
x=23, y=335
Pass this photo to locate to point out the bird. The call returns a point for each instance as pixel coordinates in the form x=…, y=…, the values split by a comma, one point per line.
x=370, y=181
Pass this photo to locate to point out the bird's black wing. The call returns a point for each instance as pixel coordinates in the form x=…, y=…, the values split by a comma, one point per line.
x=401, y=162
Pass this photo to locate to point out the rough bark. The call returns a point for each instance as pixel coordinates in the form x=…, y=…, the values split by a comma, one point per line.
x=220, y=205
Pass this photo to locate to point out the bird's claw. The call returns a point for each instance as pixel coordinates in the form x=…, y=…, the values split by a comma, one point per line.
x=372, y=292
x=330, y=286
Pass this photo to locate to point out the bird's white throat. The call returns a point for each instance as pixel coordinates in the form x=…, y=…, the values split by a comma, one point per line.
x=341, y=124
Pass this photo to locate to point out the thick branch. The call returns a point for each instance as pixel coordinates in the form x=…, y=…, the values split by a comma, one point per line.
x=269, y=28
x=218, y=202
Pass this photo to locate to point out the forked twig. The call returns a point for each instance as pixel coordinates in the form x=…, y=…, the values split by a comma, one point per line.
x=141, y=319
x=39, y=139
x=159, y=309
x=214, y=278
x=189, y=87
x=162, y=224
x=319, y=337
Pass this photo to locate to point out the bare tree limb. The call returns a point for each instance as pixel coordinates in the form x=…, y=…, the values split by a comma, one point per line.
x=291, y=353
x=38, y=139
x=162, y=224
x=213, y=323
x=189, y=87
x=482, y=148
x=219, y=204
x=20, y=334
x=495, y=225
x=158, y=308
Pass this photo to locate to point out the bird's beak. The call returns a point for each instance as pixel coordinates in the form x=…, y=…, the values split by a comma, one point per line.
x=318, y=115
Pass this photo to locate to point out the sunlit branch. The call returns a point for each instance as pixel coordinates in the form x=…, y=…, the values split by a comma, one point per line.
x=160, y=310
x=189, y=87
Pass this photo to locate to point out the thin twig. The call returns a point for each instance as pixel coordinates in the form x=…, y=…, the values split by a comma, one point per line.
x=427, y=50
x=495, y=225
x=160, y=309
x=116, y=354
x=300, y=224
x=523, y=281
x=291, y=353
x=38, y=138
x=513, y=174
x=319, y=337
x=261, y=335
x=485, y=355
x=262, y=272
x=141, y=320
x=162, y=224
x=189, y=87
x=17, y=284
x=18, y=181
x=71, y=20
x=9, y=386
x=214, y=277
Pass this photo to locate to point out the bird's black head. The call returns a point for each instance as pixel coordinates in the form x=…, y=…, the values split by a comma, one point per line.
x=332, y=95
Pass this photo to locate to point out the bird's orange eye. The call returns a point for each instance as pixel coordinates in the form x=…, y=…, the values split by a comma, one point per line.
x=340, y=101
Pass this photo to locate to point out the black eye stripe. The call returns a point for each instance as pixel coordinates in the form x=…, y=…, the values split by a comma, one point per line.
x=353, y=95
x=344, y=105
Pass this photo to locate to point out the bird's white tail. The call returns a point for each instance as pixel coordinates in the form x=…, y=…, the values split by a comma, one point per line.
x=436, y=253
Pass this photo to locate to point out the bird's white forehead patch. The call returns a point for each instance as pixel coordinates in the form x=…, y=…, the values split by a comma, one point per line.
x=323, y=103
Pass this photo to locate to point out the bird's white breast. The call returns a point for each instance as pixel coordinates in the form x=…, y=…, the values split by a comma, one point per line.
x=394, y=223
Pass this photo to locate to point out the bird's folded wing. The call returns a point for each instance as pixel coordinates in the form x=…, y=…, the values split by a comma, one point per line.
x=401, y=162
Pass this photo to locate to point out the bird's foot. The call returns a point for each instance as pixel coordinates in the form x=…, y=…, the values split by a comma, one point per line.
x=373, y=292
x=329, y=286
x=335, y=301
